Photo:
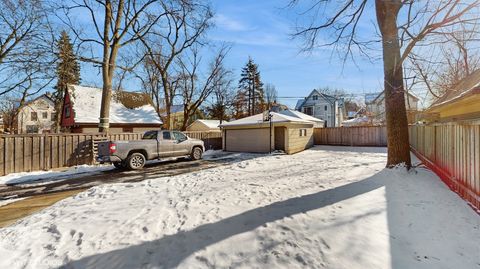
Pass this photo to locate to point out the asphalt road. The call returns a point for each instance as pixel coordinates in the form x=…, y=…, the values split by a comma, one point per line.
x=67, y=183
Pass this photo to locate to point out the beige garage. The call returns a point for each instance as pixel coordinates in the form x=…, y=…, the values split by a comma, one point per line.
x=252, y=134
x=241, y=140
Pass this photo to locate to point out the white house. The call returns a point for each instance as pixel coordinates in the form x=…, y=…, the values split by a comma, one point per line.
x=37, y=116
x=376, y=107
x=322, y=106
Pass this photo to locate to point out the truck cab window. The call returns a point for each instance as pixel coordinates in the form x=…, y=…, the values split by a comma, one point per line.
x=167, y=136
x=179, y=136
x=150, y=135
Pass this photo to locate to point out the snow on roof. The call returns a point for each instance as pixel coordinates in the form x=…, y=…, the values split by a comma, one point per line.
x=300, y=115
x=87, y=102
x=258, y=119
x=355, y=121
x=469, y=85
x=212, y=124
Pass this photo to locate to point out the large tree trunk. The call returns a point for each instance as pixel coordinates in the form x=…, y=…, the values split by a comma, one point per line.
x=395, y=111
x=103, y=126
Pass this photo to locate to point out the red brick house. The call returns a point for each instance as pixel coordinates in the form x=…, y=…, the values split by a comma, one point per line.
x=129, y=112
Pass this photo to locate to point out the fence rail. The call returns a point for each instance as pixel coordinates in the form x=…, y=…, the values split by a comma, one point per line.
x=351, y=136
x=453, y=152
x=32, y=152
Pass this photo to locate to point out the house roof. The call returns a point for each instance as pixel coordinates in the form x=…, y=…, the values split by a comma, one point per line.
x=125, y=107
x=258, y=120
x=327, y=97
x=300, y=115
x=173, y=109
x=469, y=85
x=382, y=96
x=212, y=124
x=43, y=96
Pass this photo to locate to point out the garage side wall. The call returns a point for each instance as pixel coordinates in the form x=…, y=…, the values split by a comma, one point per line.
x=297, y=143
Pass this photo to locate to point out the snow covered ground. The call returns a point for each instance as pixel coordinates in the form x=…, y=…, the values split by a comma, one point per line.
x=40, y=177
x=327, y=207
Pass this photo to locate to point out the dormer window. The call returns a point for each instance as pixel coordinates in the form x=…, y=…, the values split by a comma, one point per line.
x=315, y=97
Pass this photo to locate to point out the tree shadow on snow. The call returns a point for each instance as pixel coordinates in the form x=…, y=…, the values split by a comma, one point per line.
x=350, y=149
x=409, y=245
x=170, y=250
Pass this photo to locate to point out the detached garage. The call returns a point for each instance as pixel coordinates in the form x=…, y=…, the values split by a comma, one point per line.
x=252, y=134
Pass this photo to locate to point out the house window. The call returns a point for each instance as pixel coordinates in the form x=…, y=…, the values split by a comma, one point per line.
x=315, y=97
x=127, y=129
x=32, y=129
x=44, y=115
x=67, y=111
x=33, y=116
x=308, y=110
x=303, y=132
x=53, y=116
x=326, y=108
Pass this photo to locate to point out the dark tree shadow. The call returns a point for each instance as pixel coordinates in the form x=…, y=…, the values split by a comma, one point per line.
x=350, y=149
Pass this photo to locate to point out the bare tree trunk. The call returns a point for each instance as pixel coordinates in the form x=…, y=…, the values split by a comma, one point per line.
x=104, y=125
x=396, y=115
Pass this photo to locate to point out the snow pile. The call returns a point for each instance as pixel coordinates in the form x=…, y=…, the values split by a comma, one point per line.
x=356, y=121
x=87, y=102
x=45, y=176
x=326, y=207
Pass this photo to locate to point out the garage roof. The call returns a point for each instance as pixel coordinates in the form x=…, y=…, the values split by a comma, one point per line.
x=258, y=120
x=300, y=115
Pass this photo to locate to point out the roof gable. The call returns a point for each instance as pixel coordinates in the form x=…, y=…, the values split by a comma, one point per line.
x=212, y=124
x=469, y=85
x=125, y=107
x=326, y=97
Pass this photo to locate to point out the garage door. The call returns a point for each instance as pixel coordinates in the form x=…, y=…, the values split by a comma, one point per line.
x=248, y=140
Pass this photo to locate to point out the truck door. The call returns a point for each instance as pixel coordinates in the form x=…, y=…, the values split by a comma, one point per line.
x=181, y=146
x=165, y=144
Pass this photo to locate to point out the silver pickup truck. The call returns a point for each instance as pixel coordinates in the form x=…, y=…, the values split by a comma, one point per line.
x=154, y=145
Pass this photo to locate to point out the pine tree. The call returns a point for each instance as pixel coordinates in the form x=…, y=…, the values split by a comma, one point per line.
x=68, y=72
x=251, y=87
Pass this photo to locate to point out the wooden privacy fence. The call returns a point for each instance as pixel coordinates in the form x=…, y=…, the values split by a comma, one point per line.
x=25, y=153
x=351, y=136
x=212, y=139
x=453, y=152
x=32, y=152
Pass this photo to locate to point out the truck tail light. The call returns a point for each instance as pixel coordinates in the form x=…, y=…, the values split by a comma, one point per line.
x=113, y=148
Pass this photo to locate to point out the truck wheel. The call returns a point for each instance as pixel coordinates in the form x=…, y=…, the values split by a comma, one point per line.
x=196, y=154
x=135, y=161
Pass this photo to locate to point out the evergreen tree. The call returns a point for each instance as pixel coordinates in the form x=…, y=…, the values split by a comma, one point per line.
x=68, y=72
x=250, y=87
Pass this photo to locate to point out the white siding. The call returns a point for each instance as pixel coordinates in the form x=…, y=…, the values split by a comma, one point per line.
x=40, y=106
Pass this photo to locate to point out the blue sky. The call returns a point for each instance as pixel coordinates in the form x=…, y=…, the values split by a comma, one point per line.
x=262, y=30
